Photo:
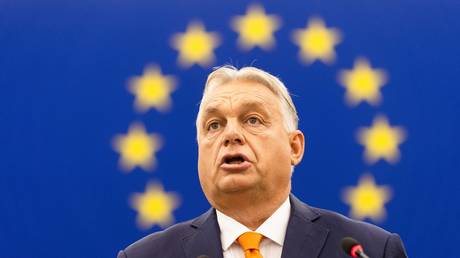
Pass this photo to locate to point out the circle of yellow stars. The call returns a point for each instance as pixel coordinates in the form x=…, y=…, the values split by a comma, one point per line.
x=256, y=28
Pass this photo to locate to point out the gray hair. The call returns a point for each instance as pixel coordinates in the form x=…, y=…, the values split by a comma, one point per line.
x=228, y=73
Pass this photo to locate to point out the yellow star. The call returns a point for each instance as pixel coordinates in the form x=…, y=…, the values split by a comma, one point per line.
x=317, y=42
x=381, y=141
x=256, y=28
x=137, y=148
x=367, y=200
x=362, y=83
x=154, y=206
x=195, y=46
x=152, y=89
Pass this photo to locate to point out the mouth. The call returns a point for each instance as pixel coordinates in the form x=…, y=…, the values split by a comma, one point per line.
x=235, y=162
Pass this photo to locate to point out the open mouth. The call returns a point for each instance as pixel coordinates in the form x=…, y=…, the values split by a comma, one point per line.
x=234, y=159
x=237, y=159
x=235, y=162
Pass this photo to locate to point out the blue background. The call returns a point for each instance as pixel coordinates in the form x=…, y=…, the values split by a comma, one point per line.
x=64, y=67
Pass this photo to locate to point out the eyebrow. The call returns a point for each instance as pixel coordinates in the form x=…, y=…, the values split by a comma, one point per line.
x=210, y=110
x=258, y=106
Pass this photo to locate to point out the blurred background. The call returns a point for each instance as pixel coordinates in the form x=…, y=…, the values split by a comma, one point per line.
x=98, y=103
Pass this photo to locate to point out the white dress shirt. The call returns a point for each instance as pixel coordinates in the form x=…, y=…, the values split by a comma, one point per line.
x=273, y=229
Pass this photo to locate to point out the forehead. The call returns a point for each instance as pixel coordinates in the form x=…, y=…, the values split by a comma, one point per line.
x=239, y=93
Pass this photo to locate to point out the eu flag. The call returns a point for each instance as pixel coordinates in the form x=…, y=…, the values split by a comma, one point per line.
x=98, y=101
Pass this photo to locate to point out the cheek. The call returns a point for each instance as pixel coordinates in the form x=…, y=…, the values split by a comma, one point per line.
x=203, y=158
x=274, y=153
x=206, y=155
x=203, y=167
x=272, y=143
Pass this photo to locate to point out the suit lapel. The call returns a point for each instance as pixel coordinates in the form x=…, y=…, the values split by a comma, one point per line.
x=303, y=238
x=205, y=240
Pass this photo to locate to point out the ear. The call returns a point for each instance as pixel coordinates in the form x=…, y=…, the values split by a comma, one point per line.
x=297, y=142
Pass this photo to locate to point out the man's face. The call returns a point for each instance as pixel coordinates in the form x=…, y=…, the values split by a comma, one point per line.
x=243, y=144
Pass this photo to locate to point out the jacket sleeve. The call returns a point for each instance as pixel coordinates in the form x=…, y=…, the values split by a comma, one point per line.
x=394, y=247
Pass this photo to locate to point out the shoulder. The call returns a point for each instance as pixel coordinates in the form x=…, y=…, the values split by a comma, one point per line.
x=376, y=241
x=165, y=243
x=341, y=223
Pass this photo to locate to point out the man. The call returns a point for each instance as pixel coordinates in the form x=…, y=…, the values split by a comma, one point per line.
x=248, y=145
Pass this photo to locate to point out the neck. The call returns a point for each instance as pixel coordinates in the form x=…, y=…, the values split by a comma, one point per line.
x=252, y=210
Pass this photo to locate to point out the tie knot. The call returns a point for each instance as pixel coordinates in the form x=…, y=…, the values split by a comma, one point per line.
x=250, y=241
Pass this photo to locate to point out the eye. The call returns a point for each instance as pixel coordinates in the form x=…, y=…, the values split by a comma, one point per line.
x=253, y=120
x=213, y=126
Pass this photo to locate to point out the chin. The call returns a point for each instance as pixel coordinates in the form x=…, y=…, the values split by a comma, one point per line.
x=235, y=185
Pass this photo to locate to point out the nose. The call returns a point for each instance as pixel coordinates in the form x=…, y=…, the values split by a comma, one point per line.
x=233, y=134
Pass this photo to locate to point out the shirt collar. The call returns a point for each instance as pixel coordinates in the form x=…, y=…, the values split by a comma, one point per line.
x=273, y=228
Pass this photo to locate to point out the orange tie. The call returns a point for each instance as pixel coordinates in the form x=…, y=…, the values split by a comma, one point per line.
x=250, y=241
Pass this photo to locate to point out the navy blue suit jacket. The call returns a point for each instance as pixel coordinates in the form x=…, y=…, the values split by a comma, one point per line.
x=311, y=233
